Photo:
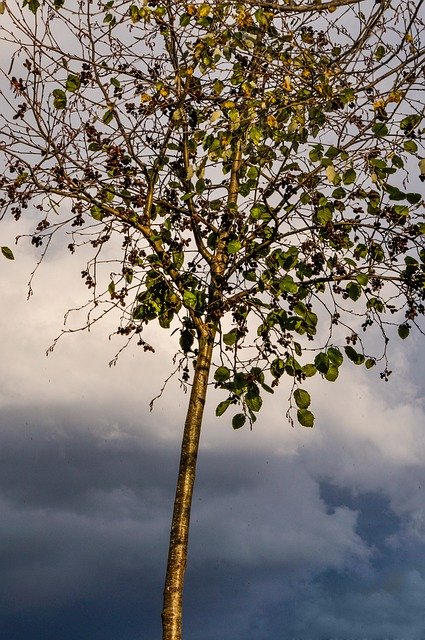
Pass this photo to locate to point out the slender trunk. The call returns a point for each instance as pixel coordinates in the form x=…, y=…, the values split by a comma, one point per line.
x=177, y=551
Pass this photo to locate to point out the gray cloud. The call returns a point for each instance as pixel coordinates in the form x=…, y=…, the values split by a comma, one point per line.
x=85, y=517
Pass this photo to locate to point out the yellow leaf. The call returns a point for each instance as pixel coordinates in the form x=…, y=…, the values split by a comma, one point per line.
x=191, y=9
x=330, y=173
x=204, y=10
x=215, y=115
x=395, y=96
x=378, y=104
x=178, y=115
x=243, y=18
x=271, y=121
x=287, y=83
x=145, y=97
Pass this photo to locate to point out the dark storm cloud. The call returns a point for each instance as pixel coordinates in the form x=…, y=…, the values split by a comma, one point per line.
x=66, y=466
x=275, y=551
x=85, y=519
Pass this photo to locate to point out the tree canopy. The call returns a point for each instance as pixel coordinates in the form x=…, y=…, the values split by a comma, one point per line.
x=244, y=173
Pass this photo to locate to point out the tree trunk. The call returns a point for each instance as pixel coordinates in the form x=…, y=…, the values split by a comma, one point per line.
x=177, y=551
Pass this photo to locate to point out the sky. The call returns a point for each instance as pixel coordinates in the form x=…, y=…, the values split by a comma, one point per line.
x=297, y=534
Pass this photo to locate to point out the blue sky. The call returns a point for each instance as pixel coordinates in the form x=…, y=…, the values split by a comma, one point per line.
x=297, y=534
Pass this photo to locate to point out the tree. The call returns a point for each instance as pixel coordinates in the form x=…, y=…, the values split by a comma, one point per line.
x=247, y=166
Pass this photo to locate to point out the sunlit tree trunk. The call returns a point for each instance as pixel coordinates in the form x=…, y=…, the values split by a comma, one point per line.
x=177, y=553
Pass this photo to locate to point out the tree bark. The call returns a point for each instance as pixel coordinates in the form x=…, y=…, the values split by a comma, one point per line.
x=177, y=551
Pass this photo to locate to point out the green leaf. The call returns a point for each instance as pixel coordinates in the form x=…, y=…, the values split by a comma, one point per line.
x=108, y=194
x=222, y=406
x=267, y=388
x=231, y=337
x=380, y=129
x=165, y=318
x=255, y=134
x=187, y=196
x=259, y=212
x=234, y=246
x=396, y=161
x=115, y=83
x=410, y=122
x=316, y=153
x=353, y=355
x=349, y=176
x=394, y=192
x=178, y=259
x=134, y=13
x=379, y=52
x=253, y=173
x=335, y=356
x=277, y=367
x=324, y=215
x=305, y=418
x=332, y=373
x=370, y=362
x=97, y=213
x=185, y=19
x=59, y=99
x=73, y=82
x=302, y=398
x=403, y=331
x=200, y=186
x=32, y=5
x=362, y=279
x=221, y=374
x=332, y=152
x=238, y=420
x=401, y=210
x=189, y=299
x=8, y=253
x=186, y=340
x=410, y=146
x=309, y=370
x=321, y=362
x=339, y=193
x=288, y=285
x=253, y=399
x=108, y=116
x=413, y=198
x=354, y=290
x=218, y=86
